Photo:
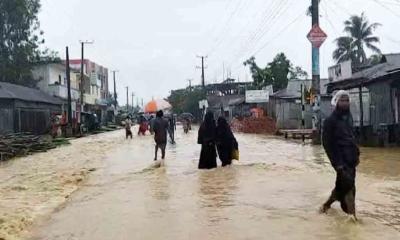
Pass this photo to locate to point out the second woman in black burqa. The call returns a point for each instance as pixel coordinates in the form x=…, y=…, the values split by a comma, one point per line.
x=206, y=137
x=226, y=142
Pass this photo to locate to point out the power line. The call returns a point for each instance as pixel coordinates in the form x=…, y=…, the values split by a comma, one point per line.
x=285, y=28
x=250, y=40
x=250, y=45
x=328, y=19
x=227, y=26
x=265, y=16
x=387, y=8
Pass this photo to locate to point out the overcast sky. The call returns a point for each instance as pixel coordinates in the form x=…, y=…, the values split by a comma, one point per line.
x=154, y=43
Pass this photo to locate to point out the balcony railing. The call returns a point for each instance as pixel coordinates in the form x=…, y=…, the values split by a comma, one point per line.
x=61, y=91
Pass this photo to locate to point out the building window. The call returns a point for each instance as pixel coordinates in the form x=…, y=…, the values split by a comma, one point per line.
x=59, y=79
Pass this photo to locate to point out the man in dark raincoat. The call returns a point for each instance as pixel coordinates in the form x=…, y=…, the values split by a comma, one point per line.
x=160, y=134
x=340, y=146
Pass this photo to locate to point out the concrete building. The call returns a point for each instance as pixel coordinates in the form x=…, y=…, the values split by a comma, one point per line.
x=53, y=80
x=96, y=95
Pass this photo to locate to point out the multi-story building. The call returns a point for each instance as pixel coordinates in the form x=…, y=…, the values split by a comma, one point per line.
x=95, y=86
x=52, y=79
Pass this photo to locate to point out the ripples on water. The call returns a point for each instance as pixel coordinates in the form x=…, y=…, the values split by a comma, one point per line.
x=273, y=192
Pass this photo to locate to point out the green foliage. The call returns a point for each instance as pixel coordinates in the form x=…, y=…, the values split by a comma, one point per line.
x=186, y=100
x=20, y=41
x=359, y=37
x=277, y=73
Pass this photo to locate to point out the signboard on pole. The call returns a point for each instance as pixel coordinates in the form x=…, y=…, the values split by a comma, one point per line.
x=203, y=104
x=257, y=96
x=316, y=36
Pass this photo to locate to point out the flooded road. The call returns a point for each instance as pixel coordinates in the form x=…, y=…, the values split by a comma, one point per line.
x=274, y=192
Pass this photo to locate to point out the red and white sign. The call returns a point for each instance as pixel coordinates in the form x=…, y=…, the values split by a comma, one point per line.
x=316, y=36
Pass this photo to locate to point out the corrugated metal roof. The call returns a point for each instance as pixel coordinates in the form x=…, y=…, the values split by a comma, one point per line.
x=229, y=100
x=293, y=89
x=13, y=91
x=390, y=65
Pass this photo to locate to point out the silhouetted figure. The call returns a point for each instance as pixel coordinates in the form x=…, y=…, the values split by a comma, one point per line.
x=226, y=142
x=206, y=137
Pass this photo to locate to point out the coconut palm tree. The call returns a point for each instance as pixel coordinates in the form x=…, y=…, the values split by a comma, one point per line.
x=359, y=38
x=345, y=50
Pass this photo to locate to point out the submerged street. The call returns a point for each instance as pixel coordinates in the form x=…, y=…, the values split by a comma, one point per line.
x=273, y=192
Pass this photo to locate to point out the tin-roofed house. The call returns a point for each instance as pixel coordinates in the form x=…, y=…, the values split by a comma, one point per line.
x=381, y=83
x=25, y=109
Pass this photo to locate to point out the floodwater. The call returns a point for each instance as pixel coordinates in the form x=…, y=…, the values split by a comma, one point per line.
x=273, y=192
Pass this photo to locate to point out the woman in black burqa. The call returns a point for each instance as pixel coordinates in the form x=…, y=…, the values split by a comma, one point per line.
x=226, y=142
x=206, y=137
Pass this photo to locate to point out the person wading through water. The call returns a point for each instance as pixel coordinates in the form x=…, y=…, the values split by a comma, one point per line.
x=226, y=142
x=206, y=137
x=342, y=150
x=160, y=134
x=128, y=125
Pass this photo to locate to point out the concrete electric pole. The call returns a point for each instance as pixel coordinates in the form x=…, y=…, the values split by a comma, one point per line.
x=81, y=86
x=203, y=83
x=317, y=38
x=115, y=89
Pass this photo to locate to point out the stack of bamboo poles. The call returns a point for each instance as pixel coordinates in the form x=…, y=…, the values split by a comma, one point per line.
x=22, y=144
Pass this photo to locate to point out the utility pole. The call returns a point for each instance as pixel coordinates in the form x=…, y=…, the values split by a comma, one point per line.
x=223, y=71
x=115, y=89
x=127, y=99
x=190, y=84
x=316, y=37
x=203, y=83
x=133, y=94
x=68, y=74
x=82, y=73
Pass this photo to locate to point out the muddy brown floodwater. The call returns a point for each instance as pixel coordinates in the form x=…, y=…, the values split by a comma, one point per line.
x=273, y=192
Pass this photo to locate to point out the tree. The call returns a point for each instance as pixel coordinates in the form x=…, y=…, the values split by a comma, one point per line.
x=261, y=77
x=187, y=100
x=20, y=41
x=277, y=73
x=359, y=38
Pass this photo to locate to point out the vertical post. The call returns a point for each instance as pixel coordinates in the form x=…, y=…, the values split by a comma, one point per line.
x=68, y=73
x=115, y=91
x=223, y=71
x=132, y=101
x=202, y=72
x=142, y=103
x=82, y=78
x=127, y=99
x=316, y=79
x=303, y=123
x=190, y=84
x=360, y=95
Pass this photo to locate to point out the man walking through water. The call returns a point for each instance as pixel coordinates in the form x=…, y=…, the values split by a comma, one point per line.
x=340, y=146
x=160, y=134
